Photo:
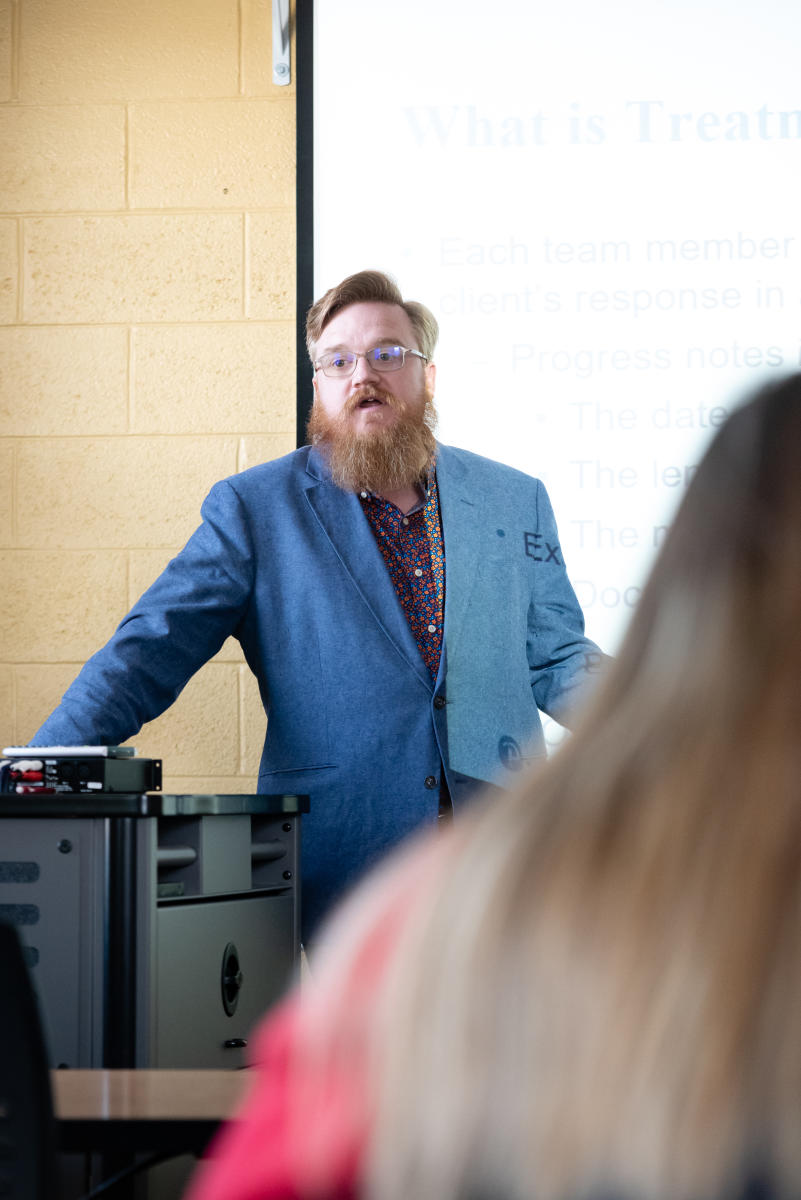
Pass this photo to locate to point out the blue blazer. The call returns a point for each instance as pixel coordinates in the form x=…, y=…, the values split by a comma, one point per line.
x=287, y=562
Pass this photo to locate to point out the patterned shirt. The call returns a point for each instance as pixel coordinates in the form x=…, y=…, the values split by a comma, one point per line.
x=411, y=546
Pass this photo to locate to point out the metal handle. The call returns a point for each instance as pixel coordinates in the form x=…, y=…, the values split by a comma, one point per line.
x=175, y=856
x=281, y=73
x=261, y=852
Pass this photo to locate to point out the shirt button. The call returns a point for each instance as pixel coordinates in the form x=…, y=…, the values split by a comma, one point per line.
x=418, y=572
x=439, y=702
x=405, y=521
x=363, y=495
x=431, y=782
x=432, y=629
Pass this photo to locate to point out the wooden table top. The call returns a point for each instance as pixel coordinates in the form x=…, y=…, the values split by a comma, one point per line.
x=143, y=1108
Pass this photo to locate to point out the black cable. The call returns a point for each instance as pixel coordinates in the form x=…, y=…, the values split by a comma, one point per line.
x=127, y=1172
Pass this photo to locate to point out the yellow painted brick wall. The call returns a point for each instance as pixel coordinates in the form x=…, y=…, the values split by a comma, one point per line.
x=147, y=326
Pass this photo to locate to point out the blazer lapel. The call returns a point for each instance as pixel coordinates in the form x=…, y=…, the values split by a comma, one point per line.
x=459, y=511
x=348, y=530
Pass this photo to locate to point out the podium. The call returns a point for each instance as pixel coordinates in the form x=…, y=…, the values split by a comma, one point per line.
x=158, y=928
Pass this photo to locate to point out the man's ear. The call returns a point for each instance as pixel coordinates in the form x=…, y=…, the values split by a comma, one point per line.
x=431, y=375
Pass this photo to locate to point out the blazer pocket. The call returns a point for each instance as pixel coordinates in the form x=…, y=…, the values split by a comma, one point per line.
x=282, y=773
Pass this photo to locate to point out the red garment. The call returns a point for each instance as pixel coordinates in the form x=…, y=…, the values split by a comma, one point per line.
x=303, y=1127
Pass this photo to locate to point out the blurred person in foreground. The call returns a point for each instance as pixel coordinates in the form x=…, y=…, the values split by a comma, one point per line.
x=592, y=990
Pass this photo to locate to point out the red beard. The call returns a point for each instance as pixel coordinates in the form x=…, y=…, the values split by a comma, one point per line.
x=381, y=458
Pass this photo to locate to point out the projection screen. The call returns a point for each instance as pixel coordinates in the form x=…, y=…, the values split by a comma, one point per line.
x=600, y=204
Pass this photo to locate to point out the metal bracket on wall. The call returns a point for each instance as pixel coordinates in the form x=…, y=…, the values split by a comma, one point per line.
x=281, y=74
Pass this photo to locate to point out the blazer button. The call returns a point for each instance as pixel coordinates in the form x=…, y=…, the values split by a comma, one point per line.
x=439, y=702
x=431, y=782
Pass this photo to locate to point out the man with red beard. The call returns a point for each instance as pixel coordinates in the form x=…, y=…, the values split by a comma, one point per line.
x=403, y=604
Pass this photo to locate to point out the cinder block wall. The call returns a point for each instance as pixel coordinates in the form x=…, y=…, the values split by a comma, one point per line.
x=147, y=324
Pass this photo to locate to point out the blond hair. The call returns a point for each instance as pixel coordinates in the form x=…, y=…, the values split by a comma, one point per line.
x=370, y=287
x=601, y=997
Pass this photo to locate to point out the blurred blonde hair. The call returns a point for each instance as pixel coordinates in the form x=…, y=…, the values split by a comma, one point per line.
x=601, y=998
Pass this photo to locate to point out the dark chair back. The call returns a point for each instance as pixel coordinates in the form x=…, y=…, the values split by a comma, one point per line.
x=28, y=1163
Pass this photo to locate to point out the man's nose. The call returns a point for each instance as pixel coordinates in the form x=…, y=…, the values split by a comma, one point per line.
x=364, y=370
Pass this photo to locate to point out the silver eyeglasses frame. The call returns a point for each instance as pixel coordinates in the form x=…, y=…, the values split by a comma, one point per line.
x=385, y=366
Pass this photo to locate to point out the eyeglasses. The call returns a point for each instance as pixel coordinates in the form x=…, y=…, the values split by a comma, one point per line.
x=341, y=363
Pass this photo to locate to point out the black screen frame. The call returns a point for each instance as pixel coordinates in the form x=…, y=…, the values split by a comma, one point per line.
x=304, y=206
